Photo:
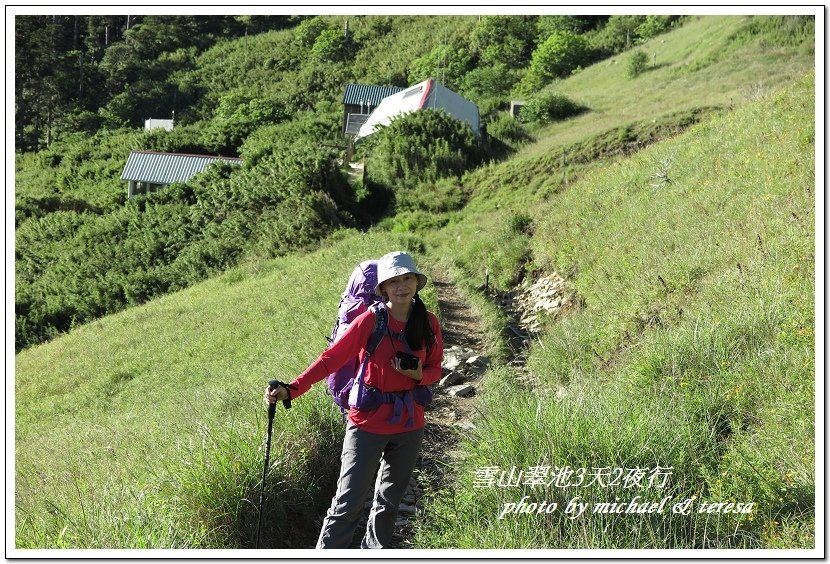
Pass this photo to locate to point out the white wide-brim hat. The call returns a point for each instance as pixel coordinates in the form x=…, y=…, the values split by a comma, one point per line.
x=397, y=263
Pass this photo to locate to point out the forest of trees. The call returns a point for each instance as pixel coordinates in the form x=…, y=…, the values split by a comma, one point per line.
x=84, y=73
x=267, y=89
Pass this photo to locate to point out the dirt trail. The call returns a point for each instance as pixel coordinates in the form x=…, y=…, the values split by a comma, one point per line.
x=449, y=417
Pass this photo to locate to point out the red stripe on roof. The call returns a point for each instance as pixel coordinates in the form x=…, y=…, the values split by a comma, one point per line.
x=425, y=96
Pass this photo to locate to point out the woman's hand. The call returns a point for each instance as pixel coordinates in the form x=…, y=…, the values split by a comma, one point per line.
x=272, y=395
x=416, y=374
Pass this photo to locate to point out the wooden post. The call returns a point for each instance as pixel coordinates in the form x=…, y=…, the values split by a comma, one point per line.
x=350, y=150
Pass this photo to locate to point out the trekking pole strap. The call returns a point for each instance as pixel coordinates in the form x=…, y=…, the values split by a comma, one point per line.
x=274, y=384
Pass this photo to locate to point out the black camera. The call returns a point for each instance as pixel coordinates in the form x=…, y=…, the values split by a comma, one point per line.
x=408, y=361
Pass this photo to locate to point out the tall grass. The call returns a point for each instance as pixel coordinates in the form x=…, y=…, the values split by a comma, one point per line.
x=707, y=62
x=145, y=429
x=625, y=115
x=693, y=350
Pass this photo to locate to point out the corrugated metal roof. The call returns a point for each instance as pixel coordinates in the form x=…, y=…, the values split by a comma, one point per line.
x=166, y=168
x=368, y=94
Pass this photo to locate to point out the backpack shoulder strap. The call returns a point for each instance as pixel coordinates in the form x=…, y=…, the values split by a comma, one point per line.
x=381, y=321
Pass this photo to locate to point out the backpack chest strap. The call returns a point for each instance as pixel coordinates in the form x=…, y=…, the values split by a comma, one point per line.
x=381, y=327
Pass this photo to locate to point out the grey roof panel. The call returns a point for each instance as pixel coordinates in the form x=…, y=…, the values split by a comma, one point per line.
x=354, y=122
x=166, y=168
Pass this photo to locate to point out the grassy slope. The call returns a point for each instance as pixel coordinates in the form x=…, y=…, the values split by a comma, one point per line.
x=158, y=400
x=691, y=373
x=136, y=410
x=694, y=348
x=699, y=65
x=695, y=345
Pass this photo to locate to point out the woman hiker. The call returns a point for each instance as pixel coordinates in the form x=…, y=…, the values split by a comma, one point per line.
x=392, y=431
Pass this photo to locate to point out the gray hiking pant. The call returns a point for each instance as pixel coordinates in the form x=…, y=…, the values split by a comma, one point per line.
x=359, y=460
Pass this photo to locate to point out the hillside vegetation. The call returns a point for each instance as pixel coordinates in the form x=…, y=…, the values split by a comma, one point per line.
x=692, y=349
x=679, y=207
x=272, y=98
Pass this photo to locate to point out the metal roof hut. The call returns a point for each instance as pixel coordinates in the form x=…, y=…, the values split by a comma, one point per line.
x=149, y=171
x=428, y=94
x=358, y=102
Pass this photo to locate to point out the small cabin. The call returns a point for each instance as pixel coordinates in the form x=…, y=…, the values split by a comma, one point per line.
x=427, y=95
x=153, y=123
x=150, y=171
x=359, y=100
x=516, y=108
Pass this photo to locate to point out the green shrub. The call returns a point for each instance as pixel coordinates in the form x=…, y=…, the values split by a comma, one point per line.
x=618, y=34
x=447, y=63
x=504, y=40
x=413, y=222
x=188, y=138
x=420, y=147
x=442, y=195
x=74, y=267
x=654, y=25
x=332, y=46
x=507, y=129
x=549, y=107
x=559, y=55
x=309, y=30
x=548, y=25
x=485, y=83
x=777, y=31
x=520, y=223
x=637, y=64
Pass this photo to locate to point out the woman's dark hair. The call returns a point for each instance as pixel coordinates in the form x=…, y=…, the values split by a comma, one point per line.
x=418, y=330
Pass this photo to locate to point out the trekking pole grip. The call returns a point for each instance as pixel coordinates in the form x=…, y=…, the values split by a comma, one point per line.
x=274, y=384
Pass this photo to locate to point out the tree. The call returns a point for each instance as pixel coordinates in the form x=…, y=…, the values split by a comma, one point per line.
x=483, y=82
x=548, y=25
x=654, y=25
x=506, y=40
x=446, y=63
x=559, y=55
x=68, y=68
x=618, y=34
x=46, y=84
x=309, y=30
x=332, y=46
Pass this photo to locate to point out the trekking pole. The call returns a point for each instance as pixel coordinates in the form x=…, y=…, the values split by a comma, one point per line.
x=272, y=409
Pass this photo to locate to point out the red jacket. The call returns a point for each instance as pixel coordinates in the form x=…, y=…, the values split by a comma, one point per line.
x=379, y=371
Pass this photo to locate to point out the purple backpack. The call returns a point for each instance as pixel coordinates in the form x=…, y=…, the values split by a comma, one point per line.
x=347, y=385
x=358, y=297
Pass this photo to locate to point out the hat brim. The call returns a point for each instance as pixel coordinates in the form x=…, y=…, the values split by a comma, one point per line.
x=422, y=281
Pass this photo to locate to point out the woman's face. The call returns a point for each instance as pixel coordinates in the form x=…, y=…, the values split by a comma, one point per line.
x=400, y=289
